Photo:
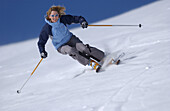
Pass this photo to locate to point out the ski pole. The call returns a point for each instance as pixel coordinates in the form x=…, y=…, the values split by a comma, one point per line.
x=117, y=25
x=19, y=91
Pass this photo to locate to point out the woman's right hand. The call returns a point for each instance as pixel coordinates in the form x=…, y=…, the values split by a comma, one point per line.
x=44, y=54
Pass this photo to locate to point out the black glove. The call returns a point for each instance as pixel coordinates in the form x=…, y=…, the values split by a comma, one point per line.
x=84, y=24
x=44, y=54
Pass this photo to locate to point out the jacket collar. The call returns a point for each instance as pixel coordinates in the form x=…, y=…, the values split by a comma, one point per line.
x=53, y=24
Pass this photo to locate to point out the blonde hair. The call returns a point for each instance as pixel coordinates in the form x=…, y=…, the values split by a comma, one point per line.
x=59, y=9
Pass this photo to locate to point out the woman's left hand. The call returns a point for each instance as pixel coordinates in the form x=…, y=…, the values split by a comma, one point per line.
x=84, y=24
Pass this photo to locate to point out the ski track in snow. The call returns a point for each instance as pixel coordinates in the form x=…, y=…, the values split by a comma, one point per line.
x=117, y=100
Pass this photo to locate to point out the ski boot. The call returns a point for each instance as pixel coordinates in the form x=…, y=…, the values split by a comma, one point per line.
x=95, y=65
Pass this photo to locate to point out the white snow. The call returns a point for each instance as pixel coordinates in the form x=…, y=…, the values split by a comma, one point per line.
x=140, y=83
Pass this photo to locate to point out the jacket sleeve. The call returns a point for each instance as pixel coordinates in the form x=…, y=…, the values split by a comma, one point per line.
x=43, y=38
x=69, y=19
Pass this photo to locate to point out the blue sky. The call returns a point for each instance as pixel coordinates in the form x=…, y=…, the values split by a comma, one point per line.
x=23, y=19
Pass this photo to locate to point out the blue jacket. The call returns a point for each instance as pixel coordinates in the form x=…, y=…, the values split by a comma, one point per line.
x=60, y=35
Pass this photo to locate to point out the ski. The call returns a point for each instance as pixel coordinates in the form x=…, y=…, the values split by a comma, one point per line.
x=109, y=60
x=117, y=60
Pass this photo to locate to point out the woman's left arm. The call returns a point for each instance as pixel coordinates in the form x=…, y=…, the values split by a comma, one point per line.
x=69, y=19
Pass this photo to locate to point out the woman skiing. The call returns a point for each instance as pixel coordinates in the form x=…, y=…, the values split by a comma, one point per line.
x=64, y=41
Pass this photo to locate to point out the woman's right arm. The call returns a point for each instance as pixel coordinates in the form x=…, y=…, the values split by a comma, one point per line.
x=43, y=38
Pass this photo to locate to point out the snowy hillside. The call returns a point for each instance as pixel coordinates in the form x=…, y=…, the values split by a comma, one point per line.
x=140, y=83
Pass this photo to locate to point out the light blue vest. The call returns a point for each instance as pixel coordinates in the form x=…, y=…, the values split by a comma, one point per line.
x=61, y=34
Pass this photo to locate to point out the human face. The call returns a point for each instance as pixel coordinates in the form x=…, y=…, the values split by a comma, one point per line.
x=54, y=16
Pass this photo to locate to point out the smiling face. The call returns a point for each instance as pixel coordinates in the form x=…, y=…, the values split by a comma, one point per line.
x=54, y=16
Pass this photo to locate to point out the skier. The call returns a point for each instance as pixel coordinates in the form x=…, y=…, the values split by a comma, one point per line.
x=64, y=41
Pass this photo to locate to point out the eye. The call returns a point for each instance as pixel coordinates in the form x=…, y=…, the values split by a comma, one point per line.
x=54, y=15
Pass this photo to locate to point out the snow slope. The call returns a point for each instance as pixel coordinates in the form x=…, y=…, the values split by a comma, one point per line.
x=140, y=83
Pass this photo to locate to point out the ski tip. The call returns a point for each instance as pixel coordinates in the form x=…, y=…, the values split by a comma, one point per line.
x=117, y=62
